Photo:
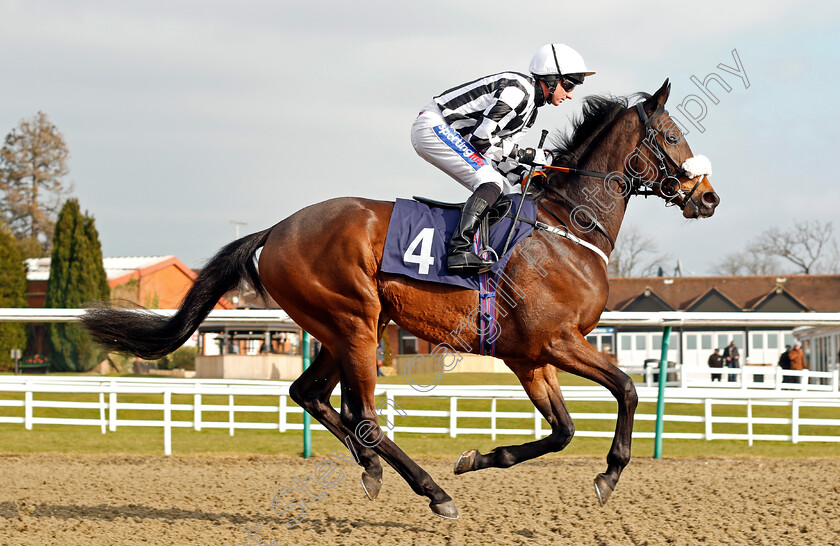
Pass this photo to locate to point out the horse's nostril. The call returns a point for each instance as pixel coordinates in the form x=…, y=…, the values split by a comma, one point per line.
x=711, y=198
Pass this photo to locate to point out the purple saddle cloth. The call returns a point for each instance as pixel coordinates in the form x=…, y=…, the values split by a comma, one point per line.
x=417, y=235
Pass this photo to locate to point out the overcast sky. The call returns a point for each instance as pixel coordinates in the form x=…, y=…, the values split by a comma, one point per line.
x=183, y=116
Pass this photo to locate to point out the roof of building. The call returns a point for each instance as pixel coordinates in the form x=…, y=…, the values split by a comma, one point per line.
x=819, y=293
x=117, y=269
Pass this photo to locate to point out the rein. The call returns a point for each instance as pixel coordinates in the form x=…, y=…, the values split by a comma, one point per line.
x=641, y=186
x=595, y=223
x=638, y=186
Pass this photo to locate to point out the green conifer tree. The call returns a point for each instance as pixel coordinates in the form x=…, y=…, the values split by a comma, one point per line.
x=101, y=278
x=76, y=278
x=12, y=294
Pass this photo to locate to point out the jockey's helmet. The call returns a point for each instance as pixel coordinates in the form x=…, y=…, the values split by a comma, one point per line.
x=554, y=60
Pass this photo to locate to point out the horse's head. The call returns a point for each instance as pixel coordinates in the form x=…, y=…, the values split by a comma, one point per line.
x=664, y=165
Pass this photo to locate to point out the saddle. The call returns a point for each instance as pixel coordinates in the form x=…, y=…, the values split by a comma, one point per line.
x=418, y=233
x=496, y=212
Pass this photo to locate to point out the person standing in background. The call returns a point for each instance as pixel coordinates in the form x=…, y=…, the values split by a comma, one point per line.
x=784, y=363
x=797, y=360
x=732, y=358
x=716, y=361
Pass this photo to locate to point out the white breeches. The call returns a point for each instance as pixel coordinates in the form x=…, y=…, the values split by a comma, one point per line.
x=439, y=144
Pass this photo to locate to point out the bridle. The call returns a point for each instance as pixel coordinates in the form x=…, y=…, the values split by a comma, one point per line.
x=669, y=187
x=665, y=164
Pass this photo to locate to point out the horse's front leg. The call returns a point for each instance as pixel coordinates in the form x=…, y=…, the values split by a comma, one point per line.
x=540, y=383
x=572, y=353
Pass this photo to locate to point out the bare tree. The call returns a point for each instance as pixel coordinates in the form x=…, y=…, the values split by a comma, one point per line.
x=747, y=262
x=808, y=246
x=33, y=164
x=832, y=259
x=636, y=254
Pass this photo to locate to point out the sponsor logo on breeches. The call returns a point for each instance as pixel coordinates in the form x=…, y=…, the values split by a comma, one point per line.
x=451, y=138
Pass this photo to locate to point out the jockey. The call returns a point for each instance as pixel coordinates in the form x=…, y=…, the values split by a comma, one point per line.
x=470, y=132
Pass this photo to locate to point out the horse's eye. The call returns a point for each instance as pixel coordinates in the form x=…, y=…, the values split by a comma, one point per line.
x=672, y=139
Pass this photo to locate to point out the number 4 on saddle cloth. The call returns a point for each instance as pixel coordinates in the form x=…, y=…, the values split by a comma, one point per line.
x=415, y=246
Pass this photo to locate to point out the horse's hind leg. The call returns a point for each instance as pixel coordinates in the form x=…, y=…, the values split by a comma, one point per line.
x=540, y=383
x=312, y=391
x=358, y=380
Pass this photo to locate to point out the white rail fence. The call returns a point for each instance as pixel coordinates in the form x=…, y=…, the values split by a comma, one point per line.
x=37, y=390
x=749, y=377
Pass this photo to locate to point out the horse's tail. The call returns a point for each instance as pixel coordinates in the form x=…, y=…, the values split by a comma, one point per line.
x=151, y=336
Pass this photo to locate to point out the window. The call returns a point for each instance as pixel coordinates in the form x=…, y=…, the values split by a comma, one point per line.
x=789, y=339
x=408, y=343
x=593, y=340
x=773, y=340
x=626, y=342
x=656, y=340
x=739, y=340
x=723, y=341
x=836, y=346
x=690, y=341
x=641, y=342
x=607, y=344
x=706, y=341
x=757, y=341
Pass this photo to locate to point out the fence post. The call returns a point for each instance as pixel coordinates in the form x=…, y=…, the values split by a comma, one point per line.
x=307, y=419
x=707, y=417
x=112, y=410
x=648, y=376
x=230, y=413
x=281, y=419
x=743, y=375
x=660, y=401
x=196, y=408
x=492, y=418
x=27, y=409
x=453, y=417
x=389, y=414
x=167, y=422
x=804, y=378
x=681, y=375
x=749, y=423
x=794, y=420
x=779, y=378
x=102, y=422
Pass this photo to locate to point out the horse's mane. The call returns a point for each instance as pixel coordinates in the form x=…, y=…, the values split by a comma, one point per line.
x=598, y=112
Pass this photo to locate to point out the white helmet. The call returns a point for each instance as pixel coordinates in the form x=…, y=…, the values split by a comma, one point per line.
x=558, y=59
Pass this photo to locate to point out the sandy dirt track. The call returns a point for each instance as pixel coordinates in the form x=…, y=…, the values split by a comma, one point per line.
x=207, y=500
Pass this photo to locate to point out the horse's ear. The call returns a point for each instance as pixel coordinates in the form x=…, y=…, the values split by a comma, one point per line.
x=660, y=97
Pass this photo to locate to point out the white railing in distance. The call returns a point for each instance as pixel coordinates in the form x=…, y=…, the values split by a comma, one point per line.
x=196, y=391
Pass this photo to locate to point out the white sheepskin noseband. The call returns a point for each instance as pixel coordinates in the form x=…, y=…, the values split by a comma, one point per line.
x=697, y=166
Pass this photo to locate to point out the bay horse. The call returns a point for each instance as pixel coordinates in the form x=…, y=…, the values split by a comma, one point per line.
x=322, y=266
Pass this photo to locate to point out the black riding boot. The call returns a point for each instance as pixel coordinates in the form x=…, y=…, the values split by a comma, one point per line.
x=461, y=258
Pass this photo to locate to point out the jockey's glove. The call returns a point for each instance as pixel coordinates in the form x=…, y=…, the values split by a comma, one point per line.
x=538, y=156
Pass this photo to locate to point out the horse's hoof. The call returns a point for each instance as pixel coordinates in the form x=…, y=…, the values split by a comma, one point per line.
x=602, y=489
x=466, y=461
x=371, y=485
x=445, y=510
